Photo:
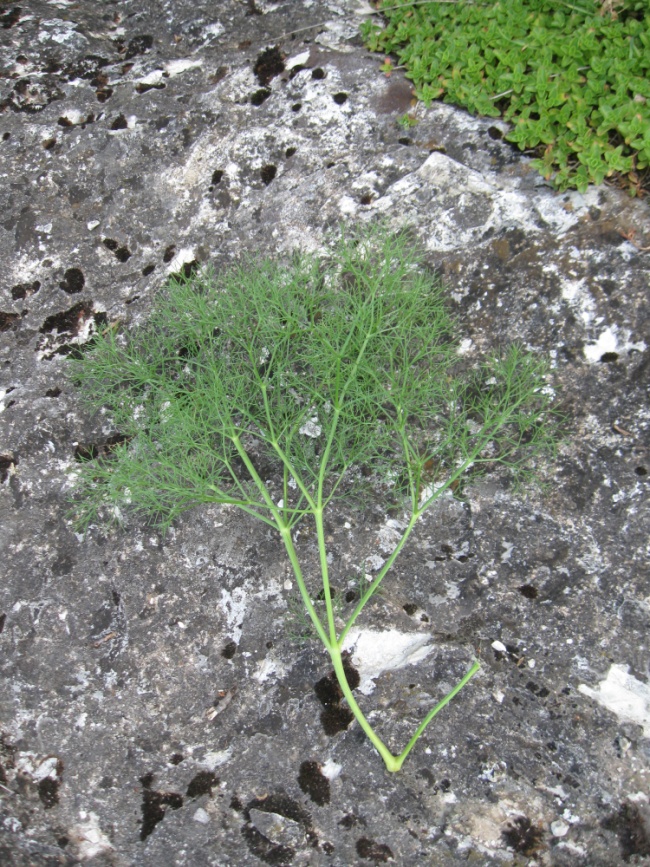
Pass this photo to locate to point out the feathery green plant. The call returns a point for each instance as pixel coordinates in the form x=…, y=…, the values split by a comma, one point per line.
x=277, y=388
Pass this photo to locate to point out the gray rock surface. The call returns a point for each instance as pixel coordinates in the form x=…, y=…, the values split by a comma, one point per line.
x=153, y=709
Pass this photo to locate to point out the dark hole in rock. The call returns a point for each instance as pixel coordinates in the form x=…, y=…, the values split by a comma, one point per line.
x=169, y=253
x=351, y=596
x=176, y=759
x=229, y=650
x=73, y=281
x=289, y=152
x=495, y=133
x=609, y=357
x=217, y=176
x=641, y=471
x=88, y=67
x=321, y=593
x=260, y=96
x=120, y=122
x=10, y=17
x=64, y=122
x=632, y=832
x=370, y=850
x=3, y=619
x=110, y=244
x=268, y=64
x=148, y=269
x=49, y=143
x=6, y=136
x=314, y=783
x=524, y=837
x=280, y=803
x=138, y=45
x=424, y=618
x=328, y=848
x=236, y=804
x=328, y=691
x=350, y=820
x=329, y=165
x=336, y=719
x=153, y=807
x=405, y=140
x=529, y=591
x=68, y=320
x=103, y=93
x=340, y=98
x=62, y=841
x=186, y=271
x=7, y=461
x=366, y=199
x=7, y=320
x=91, y=451
x=48, y=792
x=296, y=106
x=202, y=784
x=261, y=847
x=318, y=73
x=143, y=88
x=267, y=173
x=122, y=254
x=410, y=608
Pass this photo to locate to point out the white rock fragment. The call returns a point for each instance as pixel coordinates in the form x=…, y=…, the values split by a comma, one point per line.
x=499, y=646
x=215, y=758
x=297, y=60
x=331, y=769
x=175, y=67
x=311, y=428
x=374, y=652
x=89, y=838
x=624, y=695
x=201, y=816
x=559, y=828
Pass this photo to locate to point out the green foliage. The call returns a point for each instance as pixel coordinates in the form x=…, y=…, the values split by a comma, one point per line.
x=571, y=78
x=279, y=388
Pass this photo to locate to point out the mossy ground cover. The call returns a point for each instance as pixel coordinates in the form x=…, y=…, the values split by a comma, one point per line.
x=571, y=77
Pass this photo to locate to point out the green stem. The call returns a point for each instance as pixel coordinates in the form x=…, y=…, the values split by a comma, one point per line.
x=379, y=745
x=324, y=571
x=433, y=712
x=378, y=578
x=285, y=532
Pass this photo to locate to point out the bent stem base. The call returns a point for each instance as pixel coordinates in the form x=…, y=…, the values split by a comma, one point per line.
x=393, y=763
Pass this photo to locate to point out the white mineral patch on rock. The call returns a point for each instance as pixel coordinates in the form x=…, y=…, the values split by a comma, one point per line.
x=331, y=769
x=624, y=695
x=233, y=606
x=89, y=838
x=175, y=67
x=373, y=652
x=610, y=341
x=215, y=758
x=269, y=667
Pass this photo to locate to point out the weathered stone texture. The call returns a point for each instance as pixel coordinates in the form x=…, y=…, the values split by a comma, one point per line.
x=153, y=710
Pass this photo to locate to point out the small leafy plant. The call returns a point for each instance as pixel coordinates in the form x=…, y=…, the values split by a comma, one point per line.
x=572, y=77
x=282, y=388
